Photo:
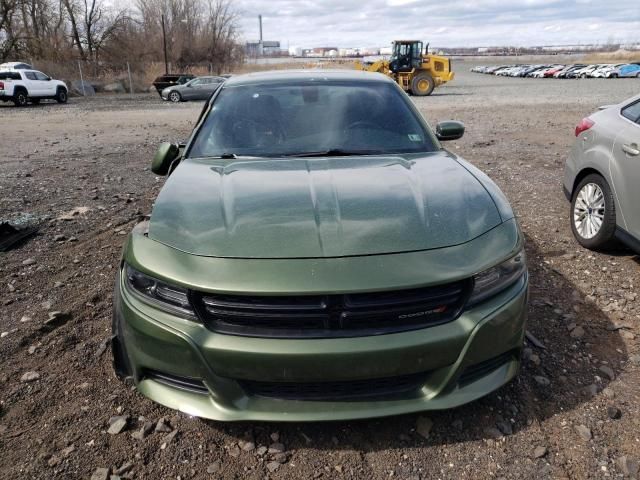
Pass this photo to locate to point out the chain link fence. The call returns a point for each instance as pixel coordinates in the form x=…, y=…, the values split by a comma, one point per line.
x=89, y=78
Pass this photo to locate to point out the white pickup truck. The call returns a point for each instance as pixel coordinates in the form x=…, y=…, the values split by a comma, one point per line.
x=23, y=86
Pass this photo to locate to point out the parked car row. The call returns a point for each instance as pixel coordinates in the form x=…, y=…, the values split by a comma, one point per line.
x=578, y=70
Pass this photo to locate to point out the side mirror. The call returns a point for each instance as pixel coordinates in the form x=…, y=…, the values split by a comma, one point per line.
x=164, y=157
x=449, y=130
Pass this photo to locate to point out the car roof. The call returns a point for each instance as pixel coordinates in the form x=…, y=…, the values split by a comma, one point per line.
x=17, y=70
x=165, y=75
x=15, y=67
x=13, y=64
x=286, y=76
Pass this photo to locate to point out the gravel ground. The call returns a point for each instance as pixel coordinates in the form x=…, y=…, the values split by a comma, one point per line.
x=81, y=170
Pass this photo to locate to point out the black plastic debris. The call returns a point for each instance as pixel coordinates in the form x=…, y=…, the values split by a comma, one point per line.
x=11, y=236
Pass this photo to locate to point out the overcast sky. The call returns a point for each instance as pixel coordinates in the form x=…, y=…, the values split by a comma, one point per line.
x=354, y=23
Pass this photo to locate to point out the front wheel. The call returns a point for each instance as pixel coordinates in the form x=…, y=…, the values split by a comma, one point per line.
x=593, y=213
x=175, y=97
x=61, y=96
x=422, y=84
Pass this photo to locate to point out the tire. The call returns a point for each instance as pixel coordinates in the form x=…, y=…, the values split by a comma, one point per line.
x=174, y=96
x=613, y=75
x=586, y=205
x=20, y=98
x=61, y=96
x=422, y=84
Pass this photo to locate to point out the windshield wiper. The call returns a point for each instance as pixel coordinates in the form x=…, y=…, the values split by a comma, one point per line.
x=333, y=152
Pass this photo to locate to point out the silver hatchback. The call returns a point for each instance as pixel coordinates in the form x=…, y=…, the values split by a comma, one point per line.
x=199, y=88
x=602, y=177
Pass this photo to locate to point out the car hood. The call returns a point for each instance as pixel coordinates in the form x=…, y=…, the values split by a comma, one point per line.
x=322, y=207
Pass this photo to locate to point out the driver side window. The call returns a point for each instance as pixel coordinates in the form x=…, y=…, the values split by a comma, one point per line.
x=40, y=76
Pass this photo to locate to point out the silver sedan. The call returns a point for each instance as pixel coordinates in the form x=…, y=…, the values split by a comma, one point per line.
x=200, y=88
x=602, y=177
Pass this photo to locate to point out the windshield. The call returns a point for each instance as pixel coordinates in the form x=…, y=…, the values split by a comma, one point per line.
x=306, y=117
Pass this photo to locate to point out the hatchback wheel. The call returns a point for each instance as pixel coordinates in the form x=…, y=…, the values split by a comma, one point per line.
x=175, y=97
x=593, y=213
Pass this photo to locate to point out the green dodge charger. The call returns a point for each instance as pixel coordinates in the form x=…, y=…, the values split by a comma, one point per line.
x=316, y=254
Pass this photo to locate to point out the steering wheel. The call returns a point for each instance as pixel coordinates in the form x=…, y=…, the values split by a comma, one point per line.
x=257, y=133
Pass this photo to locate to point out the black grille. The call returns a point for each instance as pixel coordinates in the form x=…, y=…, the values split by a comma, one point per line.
x=175, y=381
x=378, y=388
x=479, y=370
x=313, y=316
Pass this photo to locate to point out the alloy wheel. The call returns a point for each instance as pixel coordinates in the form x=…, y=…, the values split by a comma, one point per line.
x=21, y=99
x=588, y=211
x=174, y=96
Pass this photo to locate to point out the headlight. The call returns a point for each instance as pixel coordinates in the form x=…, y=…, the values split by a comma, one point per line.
x=157, y=293
x=496, y=279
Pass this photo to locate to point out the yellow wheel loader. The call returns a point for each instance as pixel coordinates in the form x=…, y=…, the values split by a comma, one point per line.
x=413, y=68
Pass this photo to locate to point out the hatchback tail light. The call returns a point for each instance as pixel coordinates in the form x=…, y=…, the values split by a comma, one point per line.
x=584, y=125
x=1, y=85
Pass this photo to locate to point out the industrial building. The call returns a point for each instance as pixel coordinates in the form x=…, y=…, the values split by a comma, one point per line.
x=264, y=48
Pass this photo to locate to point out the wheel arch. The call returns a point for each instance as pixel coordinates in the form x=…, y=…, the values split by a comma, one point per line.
x=585, y=172
x=588, y=170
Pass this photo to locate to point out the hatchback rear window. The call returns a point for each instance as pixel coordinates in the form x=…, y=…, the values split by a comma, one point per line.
x=632, y=112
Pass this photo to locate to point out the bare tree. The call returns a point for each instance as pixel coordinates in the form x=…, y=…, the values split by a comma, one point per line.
x=72, y=12
x=9, y=38
x=197, y=31
x=100, y=25
x=220, y=33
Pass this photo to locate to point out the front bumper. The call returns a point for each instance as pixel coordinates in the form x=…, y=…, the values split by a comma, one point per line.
x=156, y=341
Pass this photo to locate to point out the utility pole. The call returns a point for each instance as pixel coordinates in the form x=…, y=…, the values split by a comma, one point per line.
x=260, y=43
x=164, y=45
